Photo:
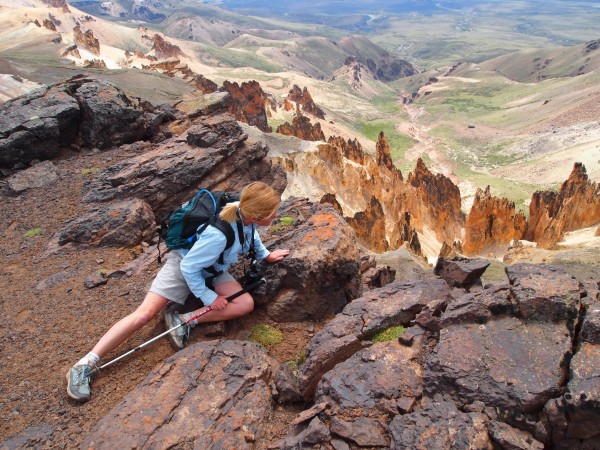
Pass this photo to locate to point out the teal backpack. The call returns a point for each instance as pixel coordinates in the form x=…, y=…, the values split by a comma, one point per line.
x=181, y=227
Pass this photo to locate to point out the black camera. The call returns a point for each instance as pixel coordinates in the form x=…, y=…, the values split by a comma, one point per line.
x=253, y=275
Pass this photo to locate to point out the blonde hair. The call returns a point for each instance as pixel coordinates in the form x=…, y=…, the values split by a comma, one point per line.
x=257, y=200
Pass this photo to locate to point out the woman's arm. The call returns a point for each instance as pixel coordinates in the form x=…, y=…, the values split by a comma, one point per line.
x=204, y=253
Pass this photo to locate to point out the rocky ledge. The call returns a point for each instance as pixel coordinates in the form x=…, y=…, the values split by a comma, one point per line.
x=512, y=366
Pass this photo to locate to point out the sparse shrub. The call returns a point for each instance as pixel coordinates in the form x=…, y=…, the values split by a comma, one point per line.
x=297, y=363
x=265, y=335
x=390, y=334
x=90, y=170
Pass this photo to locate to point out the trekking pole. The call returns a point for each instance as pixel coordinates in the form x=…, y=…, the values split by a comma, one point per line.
x=201, y=313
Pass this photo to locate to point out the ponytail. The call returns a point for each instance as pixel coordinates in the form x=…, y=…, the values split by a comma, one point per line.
x=257, y=200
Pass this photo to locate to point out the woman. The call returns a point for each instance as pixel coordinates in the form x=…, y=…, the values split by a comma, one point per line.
x=186, y=272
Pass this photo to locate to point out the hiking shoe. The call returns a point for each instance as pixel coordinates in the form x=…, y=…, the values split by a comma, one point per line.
x=79, y=378
x=177, y=338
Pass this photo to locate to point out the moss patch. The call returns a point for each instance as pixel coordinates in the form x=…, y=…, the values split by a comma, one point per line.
x=265, y=335
x=33, y=233
x=390, y=334
x=90, y=171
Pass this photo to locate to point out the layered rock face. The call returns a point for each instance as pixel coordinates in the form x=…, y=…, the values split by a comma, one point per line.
x=384, y=210
x=576, y=205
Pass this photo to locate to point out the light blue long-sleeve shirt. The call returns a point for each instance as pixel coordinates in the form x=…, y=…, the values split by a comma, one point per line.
x=205, y=253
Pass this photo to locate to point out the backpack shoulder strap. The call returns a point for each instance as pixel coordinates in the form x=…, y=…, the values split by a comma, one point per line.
x=225, y=228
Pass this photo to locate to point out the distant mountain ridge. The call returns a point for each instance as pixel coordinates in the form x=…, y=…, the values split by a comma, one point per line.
x=540, y=64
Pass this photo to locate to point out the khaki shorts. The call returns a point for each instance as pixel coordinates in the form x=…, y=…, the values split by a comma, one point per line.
x=170, y=283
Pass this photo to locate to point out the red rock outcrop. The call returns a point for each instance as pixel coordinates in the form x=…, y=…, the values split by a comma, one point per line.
x=302, y=128
x=248, y=103
x=492, y=221
x=94, y=64
x=287, y=105
x=305, y=100
x=434, y=203
x=203, y=84
x=369, y=226
x=73, y=51
x=87, y=40
x=49, y=25
x=166, y=65
x=164, y=49
x=374, y=196
x=351, y=149
x=575, y=206
x=382, y=150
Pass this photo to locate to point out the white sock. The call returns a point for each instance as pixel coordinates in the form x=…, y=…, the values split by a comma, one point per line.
x=187, y=316
x=91, y=359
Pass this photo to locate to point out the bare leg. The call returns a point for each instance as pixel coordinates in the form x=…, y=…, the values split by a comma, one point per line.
x=238, y=307
x=120, y=331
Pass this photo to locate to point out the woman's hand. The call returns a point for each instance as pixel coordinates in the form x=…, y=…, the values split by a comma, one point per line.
x=219, y=303
x=277, y=255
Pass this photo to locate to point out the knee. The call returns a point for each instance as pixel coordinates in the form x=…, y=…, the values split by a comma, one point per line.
x=141, y=317
x=247, y=304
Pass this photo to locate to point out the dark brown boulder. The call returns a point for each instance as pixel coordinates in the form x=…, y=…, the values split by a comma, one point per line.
x=321, y=274
x=110, y=117
x=199, y=398
x=121, y=224
x=168, y=174
x=350, y=331
x=518, y=360
x=461, y=271
x=571, y=420
x=80, y=111
x=440, y=425
x=372, y=382
x=512, y=438
x=36, y=125
x=504, y=363
x=543, y=292
x=37, y=176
